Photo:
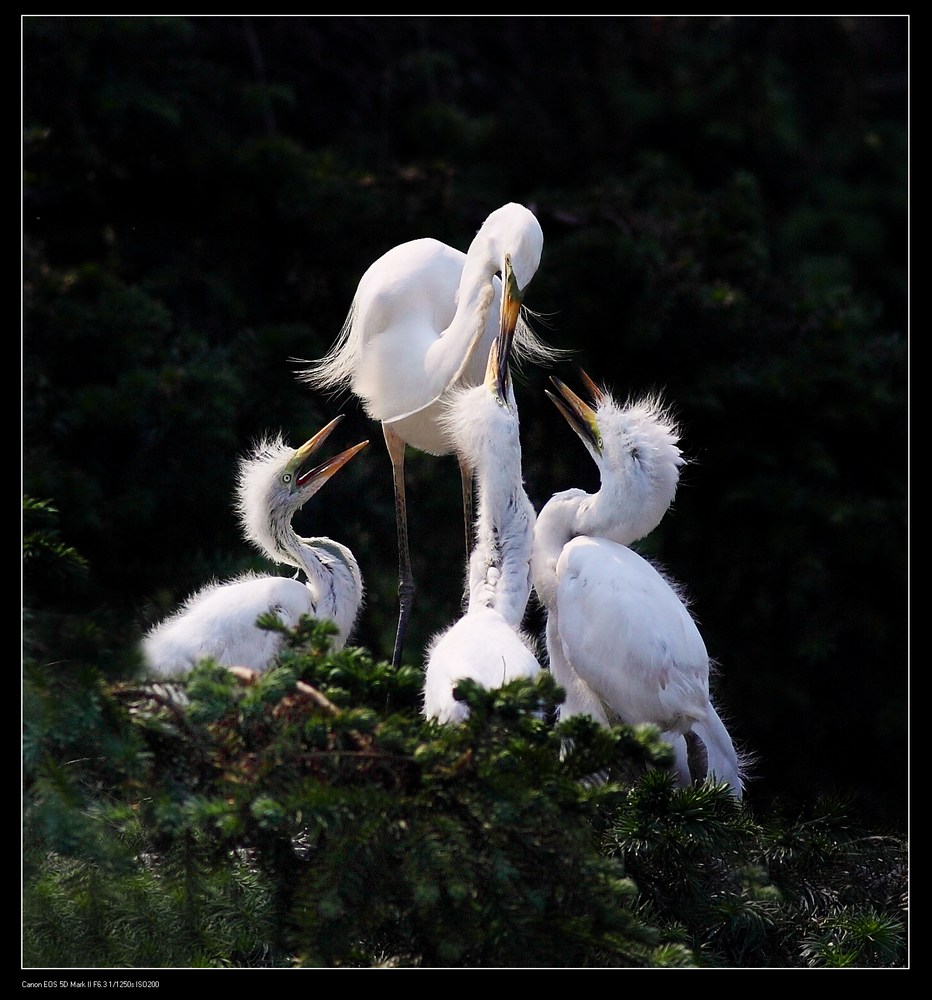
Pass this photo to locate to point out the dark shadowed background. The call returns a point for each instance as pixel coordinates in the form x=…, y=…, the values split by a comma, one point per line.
x=724, y=203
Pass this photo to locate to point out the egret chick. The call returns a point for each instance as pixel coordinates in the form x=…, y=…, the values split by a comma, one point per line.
x=487, y=643
x=219, y=621
x=620, y=638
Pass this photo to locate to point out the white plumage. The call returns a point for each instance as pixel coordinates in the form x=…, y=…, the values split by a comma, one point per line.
x=620, y=638
x=480, y=646
x=422, y=322
x=487, y=643
x=219, y=621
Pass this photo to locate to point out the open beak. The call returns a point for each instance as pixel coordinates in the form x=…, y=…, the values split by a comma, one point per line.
x=579, y=414
x=319, y=474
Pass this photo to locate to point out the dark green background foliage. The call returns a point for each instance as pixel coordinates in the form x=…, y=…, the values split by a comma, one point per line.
x=724, y=205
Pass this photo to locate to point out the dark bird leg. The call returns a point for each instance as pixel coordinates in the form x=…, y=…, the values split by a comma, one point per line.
x=396, y=452
x=697, y=757
x=466, y=477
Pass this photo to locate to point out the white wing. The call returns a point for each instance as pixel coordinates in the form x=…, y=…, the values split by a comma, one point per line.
x=627, y=636
x=403, y=304
x=220, y=622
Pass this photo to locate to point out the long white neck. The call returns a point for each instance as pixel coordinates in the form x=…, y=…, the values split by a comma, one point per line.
x=487, y=436
x=500, y=562
x=333, y=575
x=464, y=345
x=334, y=580
x=271, y=532
x=565, y=516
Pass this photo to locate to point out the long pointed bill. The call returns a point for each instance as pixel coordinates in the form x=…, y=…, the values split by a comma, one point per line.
x=597, y=392
x=309, y=447
x=497, y=372
x=512, y=296
x=579, y=415
x=319, y=474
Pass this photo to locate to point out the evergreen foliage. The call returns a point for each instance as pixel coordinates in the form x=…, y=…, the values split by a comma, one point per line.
x=312, y=818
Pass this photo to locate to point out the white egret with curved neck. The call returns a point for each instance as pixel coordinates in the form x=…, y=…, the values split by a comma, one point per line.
x=219, y=621
x=487, y=643
x=422, y=322
x=620, y=638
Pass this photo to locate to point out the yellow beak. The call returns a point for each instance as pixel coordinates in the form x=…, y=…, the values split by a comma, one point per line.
x=579, y=414
x=319, y=474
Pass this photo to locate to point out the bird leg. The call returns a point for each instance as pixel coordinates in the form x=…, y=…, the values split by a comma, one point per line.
x=466, y=477
x=697, y=757
x=396, y=452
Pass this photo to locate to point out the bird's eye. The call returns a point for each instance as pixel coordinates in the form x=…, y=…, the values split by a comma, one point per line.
x=498, y=274
x=286, y=478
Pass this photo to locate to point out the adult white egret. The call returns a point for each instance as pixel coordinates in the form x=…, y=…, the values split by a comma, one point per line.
x=422, y=322
x=274, y=482
x=487, y=644
x=619, y=636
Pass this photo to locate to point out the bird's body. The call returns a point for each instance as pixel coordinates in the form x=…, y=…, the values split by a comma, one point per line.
x=487, y=644
x=219, y=621
x=481, y=646
x=654, y=666
x=422, y=322
x=403, y=351
x=621, y=640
